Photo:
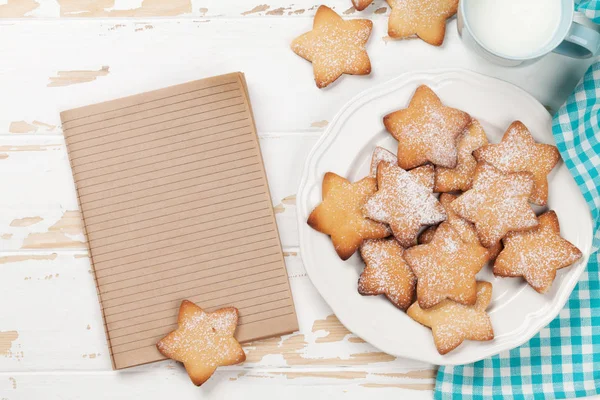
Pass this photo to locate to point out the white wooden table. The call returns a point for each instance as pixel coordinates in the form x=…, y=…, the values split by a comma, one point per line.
x=59, y=54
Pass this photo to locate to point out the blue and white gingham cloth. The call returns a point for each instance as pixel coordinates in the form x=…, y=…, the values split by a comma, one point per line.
x=563, y=360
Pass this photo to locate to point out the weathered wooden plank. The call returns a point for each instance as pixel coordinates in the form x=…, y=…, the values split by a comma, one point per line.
x=80, y=62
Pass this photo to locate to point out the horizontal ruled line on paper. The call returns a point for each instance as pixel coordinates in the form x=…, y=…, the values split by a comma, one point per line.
x=199, y=299
x=224, y=286
x=190, y=181
x=104, y=278
x=236, y=165
x=139, y=103
x=242, y=200
x=252, y=223
x=181, y=192
x=176, y=205
x=138, y=113
x=174, y=147
x=245, y=148
x=177, y=224
x=103, y=141
x=190, y=273
x=214, y=304
x=95, y=154
x=170, y=327
x=257, y=310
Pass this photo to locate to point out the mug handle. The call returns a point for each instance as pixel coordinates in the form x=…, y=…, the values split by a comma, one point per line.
x=581, y=42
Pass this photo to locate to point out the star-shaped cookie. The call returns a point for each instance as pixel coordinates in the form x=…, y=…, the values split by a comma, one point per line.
x=497, y=203
x=518, y=152
x=426, y=130
x=361, y=4
x=452, y=323
x=460, y=178
x=203, y=341
x=340, y=214
x=386, y=272
x=335, y=46
x=465, y=229
x=423, y=18
x=380, y=154
x=536, y=254
x=446, y=267
x=404, y=202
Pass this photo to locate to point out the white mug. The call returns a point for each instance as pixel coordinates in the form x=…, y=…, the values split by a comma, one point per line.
x=570, y=39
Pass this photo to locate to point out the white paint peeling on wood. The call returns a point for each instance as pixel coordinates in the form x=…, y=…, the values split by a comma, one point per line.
x=6, y=342
x=107, y=8
x=66, y=78
x=24, y=222
x=18, y=8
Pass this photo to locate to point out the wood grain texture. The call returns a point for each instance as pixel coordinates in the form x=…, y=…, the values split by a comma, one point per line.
x=172, y=60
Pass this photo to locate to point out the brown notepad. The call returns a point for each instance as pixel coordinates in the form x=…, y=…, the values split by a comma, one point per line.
x=176, y=205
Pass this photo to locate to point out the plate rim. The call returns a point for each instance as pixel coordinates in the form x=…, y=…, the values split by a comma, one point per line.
x=437, y=74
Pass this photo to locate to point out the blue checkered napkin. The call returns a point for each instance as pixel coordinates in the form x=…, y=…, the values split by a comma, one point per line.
x=563, y=360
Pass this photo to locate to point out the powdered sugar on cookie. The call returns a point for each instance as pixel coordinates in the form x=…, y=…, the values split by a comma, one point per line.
x=386, y=272
x=203, y=341
x=403, y=203
x=335, y=46
x=536, y=254
x=497, y=204
x=426, y=131
x=452, y=323
x=461, y=177
x=380, y=154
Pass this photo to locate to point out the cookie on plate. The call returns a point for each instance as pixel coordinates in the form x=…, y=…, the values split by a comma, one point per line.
x=380, y=154
x=386, y=272
x=404, y=202
x=425, y=19
x=361, y=4
x=460, y=178
x=446, y=267
x=426, y=131
x=340, y=214
x=536, y=254
x=452, y=323
x=203, y=341
x=497, y=203
x=335, y=46
x=465, y=229
x=518, y=152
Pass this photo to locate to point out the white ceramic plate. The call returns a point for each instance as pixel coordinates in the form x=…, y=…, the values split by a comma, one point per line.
x=517, y=311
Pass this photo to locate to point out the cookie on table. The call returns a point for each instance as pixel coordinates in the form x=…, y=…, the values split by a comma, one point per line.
x=424, y=18
x=361, y=4
x=446, y=268
x=452, y=323
x=380, y=154
x=497, y=203
x=340, y=214
x=536, y=254
x=426, y=131
x=386, y=272
x=335, y=46
x=465, y=229
x=518, y=152
x=403, y=202
x=460, y=178
x=203, y=341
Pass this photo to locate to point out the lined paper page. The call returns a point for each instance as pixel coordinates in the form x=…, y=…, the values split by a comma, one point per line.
x=176, y=206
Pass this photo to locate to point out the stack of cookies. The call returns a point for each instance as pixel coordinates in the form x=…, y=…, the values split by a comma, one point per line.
x=424, y=251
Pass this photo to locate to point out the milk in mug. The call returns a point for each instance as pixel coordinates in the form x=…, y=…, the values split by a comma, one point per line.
x=513, y=28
